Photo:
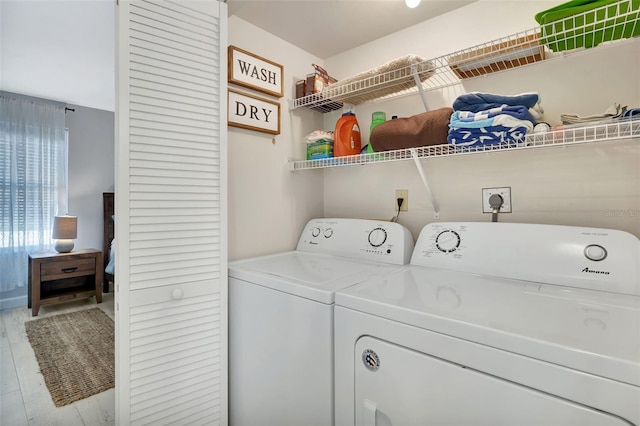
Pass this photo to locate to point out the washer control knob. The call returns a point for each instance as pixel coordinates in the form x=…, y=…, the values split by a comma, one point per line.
x=328, y=233
x=377, y=237
x=448, y=241
x=315, y=231
x=595, y=252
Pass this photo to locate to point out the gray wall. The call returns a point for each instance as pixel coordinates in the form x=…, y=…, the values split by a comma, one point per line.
x=91, y=170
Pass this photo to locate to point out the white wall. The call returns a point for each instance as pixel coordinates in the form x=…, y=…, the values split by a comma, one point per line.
x=594, y=185
x=269, y=205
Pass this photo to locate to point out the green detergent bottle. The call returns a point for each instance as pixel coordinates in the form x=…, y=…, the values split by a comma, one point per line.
x=376, y=118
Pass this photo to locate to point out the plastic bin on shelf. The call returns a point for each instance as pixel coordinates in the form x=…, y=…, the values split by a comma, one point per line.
x=587, y=23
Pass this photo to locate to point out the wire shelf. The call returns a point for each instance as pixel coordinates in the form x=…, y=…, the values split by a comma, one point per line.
x=402, y=73
x=399, y=74
x=587, y=29
x=621, y=130
x=317, y=102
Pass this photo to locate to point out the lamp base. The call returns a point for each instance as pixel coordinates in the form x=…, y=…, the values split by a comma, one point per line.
x=63, y=246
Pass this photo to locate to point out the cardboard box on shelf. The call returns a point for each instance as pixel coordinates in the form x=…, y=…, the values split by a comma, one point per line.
x=497, y=57
x=300, y=85
x=318, y=80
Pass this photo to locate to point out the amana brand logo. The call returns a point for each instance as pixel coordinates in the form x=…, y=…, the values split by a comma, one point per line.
x=591, y=271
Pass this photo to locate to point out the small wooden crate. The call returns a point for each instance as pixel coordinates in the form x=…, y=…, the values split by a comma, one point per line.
x=497, y=57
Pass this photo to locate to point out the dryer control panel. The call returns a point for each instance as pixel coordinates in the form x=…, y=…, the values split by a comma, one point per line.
x=358, y=239
x=591, y=258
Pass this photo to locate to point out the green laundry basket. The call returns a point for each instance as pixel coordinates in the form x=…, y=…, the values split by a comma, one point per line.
x=587, y=23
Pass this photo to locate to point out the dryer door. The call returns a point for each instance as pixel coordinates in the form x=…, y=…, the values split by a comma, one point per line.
x=398, y=386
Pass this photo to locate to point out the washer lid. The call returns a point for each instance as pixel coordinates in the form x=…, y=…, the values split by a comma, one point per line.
x=310, y=275
x=595, y=332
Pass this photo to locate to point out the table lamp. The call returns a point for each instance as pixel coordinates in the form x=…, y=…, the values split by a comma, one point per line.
x=65, y=230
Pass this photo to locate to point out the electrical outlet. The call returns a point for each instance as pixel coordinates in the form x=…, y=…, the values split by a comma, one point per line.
x=404, y=194
x=505, y=192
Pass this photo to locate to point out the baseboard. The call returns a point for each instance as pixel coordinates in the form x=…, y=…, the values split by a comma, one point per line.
x=13, y=302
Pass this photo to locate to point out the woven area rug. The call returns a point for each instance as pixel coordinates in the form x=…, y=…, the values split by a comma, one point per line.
x=75, y=352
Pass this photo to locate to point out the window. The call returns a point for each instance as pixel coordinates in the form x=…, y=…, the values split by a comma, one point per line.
x=33, y=181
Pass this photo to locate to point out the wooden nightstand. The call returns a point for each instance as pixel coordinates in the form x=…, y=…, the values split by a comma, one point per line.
x=60, y=277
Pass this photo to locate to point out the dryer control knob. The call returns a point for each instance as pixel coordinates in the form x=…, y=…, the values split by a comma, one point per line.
x=377, y=237
x=448, y=241
x=595, y=252
x=328, y=233
x=315, y=231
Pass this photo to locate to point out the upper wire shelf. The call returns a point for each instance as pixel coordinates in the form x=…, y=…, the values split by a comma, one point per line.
x=584, y=30
x=621, y=130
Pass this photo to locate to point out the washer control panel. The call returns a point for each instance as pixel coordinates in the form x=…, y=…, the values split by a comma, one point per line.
x=592, y=258
x=358, y=238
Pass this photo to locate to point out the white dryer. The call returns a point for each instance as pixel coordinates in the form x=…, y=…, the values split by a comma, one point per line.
x=281, y=318
x=495, y=324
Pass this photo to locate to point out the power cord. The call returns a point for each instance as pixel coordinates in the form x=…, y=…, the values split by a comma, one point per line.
x=399, y=201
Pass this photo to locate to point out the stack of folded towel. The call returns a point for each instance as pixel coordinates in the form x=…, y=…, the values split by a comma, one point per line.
x=484, y=119
x=614, y=112
x=612, y=115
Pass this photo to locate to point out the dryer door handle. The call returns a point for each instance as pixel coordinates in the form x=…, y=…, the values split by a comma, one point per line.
x=370, y=410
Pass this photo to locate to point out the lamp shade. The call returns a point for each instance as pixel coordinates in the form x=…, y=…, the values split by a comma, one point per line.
x=65, y=227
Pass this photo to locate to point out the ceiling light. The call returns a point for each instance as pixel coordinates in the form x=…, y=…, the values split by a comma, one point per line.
x=412, y=3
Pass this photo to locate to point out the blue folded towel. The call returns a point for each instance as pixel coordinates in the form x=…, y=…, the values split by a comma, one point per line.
x=476, y=102
x=520, y=112
x=486, y=136
x=504, y=120
x=632, y=113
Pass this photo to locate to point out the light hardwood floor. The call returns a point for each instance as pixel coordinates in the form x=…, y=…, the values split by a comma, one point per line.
x=24, y=397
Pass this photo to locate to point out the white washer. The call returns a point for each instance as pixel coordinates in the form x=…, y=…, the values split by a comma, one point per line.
x=495, y=324
x=281, y=318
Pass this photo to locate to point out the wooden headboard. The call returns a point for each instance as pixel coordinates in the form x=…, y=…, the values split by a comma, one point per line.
x=109, y=233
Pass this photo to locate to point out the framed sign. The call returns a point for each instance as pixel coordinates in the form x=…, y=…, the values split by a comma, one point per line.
x=253, y=113
x=254, y=72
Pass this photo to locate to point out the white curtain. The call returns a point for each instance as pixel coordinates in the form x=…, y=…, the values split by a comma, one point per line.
x=33, y=187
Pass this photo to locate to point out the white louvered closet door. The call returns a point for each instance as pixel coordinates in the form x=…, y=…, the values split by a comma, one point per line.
x=171, y=264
